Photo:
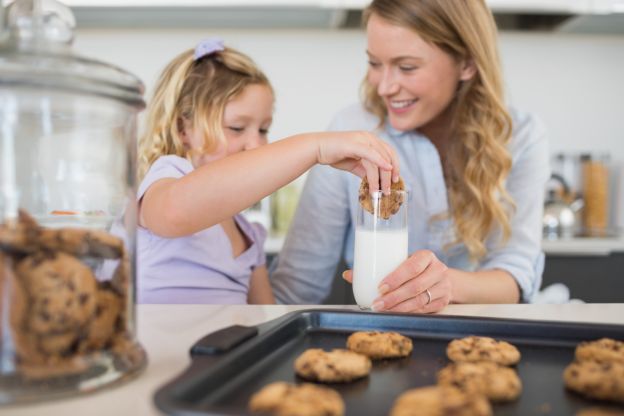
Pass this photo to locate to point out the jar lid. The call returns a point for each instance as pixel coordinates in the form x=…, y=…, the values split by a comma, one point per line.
x=35, y=51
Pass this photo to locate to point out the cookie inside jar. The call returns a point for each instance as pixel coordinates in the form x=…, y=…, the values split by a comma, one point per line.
x=67, y=296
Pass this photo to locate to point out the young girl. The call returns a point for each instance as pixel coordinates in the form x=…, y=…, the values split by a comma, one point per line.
x=202, y=160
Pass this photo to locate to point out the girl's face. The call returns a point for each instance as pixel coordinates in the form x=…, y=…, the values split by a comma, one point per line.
x=246, y=121
x=416, y=80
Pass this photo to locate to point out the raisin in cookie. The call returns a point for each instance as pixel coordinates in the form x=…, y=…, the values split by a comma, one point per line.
x=332, y=367
x=438, y=401
x=497, y=383
x=475, y=348
x=602, y=350
x=379, y=345
x=283, y=399
x=388, y=205
x=602, y=381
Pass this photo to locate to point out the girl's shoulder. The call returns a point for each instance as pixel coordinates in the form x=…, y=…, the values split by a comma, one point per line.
x=174, y=162
x=353, y=117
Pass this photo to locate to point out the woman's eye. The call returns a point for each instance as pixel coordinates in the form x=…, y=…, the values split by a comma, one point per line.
x=373, y=64
x=264, y=132
x=236, y=129
x=407, y=68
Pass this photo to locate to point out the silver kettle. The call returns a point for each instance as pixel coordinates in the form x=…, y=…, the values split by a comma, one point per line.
x=560, y=219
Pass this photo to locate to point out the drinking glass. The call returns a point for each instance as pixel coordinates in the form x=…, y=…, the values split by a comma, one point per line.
x=380, y=246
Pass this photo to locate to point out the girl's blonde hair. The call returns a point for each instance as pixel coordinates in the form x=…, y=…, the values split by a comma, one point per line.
x=196, y=91
x=478, y=160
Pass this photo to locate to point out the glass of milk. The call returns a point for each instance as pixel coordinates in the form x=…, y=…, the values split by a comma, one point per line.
x=380, y=246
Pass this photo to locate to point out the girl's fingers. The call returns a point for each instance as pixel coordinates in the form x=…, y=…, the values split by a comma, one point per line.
x=394, y=159
x=348, y=275
x=372, y=174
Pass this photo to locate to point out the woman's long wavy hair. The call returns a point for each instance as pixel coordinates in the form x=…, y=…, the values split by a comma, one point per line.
x=478, y=161
x=196, y=91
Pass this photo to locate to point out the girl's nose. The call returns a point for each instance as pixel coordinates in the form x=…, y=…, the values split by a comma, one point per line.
x=388, y=84
x=254, y=141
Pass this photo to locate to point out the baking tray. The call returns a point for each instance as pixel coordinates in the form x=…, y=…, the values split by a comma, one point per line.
x=228, y=366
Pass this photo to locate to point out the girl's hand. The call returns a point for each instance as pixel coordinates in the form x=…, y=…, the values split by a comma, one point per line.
x=420, y=284
x=362, y=154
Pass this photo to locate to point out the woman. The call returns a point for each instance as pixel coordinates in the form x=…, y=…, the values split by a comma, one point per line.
x=476, y=170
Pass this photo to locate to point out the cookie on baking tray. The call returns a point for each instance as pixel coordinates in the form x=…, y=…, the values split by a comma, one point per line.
x=334, y=366
x=378, y=345
x=440, y=400
x=474, y=348
x=602, y=350
x=284, y=399
x=389, y=204
x=600, y=411
x=498, y=383
x=601, y=381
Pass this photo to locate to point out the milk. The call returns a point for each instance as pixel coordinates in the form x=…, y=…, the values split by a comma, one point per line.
x=377, y=253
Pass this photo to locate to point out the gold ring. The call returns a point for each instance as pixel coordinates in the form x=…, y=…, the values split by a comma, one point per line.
x=428, y=297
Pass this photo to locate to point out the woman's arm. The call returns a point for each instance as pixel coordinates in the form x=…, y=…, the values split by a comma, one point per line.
x=405, y=289
x=259, y=287
x=211, y=193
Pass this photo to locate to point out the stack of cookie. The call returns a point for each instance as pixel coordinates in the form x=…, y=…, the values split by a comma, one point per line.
x=478, y=374
x=59, y=312
x=598, y=370
x=336, y=366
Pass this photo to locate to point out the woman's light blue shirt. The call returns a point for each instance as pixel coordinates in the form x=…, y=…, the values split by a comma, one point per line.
x=323, y=227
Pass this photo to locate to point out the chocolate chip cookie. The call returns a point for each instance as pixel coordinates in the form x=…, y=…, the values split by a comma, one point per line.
x=596, y=380
x=474, y=348
x=335, y=366
x=284, y=399
x=61, y=292
x=388, y=204
x=602, y=350
x=100, y=330
x=497, y=383
x=378, y=345
x=440, y=400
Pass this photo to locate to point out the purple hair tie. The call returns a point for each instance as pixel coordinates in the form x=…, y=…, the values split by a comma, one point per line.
x=208, y=46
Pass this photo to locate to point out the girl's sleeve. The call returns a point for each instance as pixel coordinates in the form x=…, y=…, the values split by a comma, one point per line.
x=164, y=167
x=522, y=255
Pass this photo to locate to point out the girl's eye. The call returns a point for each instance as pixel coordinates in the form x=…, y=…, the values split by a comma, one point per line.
x=236, y=129
x=373, y=64
x=264, y=132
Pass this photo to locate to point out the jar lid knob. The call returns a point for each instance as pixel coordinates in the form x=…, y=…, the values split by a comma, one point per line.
x=40, y=25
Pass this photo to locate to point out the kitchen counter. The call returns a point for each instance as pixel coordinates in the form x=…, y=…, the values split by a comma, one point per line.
x=577, y=246
x=167, y=332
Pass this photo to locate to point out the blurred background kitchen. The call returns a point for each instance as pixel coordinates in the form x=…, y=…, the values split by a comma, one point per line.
x=563, y=60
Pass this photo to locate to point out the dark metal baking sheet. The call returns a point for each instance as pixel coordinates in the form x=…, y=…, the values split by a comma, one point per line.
x=221, y=384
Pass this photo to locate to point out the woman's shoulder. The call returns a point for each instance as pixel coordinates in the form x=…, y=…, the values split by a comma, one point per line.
x=528, y=131
x=354, y=117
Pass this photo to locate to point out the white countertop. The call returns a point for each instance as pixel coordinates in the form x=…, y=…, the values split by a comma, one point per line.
x=168, y=331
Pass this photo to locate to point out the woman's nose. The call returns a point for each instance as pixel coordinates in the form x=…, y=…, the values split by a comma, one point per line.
x=387, y=84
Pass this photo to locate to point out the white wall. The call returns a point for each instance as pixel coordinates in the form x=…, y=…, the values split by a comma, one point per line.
x=575, y=83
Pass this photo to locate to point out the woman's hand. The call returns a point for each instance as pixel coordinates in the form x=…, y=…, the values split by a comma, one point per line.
x=362, y=154
x=420, y=284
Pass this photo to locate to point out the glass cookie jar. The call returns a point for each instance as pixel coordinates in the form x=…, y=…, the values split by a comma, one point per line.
x=67, y=211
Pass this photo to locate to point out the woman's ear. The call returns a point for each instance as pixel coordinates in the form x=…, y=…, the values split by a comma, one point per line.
x=468, y=70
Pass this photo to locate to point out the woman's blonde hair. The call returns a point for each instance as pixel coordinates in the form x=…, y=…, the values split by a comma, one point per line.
x=196, y=91
x=478, y=161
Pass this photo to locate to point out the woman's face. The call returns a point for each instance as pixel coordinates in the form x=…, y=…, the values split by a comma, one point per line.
x=247, y=118
x=416, y=80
